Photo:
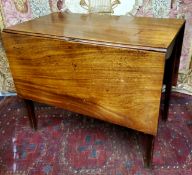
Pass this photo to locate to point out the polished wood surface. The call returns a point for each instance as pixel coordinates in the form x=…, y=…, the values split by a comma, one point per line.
x=122, y=86
x=110, y=68
x=124, y=31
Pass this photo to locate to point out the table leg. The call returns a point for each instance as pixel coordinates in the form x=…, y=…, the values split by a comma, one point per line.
x=31, y=113
x=171, y=71
x=149, y=151
x=168, y=84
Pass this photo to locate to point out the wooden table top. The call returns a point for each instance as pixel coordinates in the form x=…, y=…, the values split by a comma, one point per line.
x=148, y=33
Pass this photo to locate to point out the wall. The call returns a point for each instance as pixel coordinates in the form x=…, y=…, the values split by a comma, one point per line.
x=17, y=11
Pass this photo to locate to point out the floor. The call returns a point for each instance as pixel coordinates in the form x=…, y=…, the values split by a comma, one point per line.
x=67, y=143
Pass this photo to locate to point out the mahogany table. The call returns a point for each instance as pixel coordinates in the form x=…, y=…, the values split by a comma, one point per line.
x=107, y=67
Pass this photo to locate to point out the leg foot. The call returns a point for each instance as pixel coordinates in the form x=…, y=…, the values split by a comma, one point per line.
x=31, y=113
x=149, y=151
x=166, y=102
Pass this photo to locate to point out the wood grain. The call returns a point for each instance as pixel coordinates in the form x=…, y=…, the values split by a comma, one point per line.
x=122, y=86
x=149, y=33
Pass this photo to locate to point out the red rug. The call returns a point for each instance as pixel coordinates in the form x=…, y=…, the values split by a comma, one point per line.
x=67, y=143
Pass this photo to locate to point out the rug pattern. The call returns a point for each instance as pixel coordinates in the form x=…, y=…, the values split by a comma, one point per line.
x=67, y=143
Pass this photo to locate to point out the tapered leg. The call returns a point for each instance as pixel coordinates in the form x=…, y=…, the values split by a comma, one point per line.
x=168, y=83
x=31, y=113
x=149, y=151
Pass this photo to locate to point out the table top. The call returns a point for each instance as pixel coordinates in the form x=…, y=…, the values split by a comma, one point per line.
x=124, y=31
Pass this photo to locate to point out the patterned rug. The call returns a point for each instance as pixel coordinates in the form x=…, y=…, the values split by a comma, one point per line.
x=67, y=143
